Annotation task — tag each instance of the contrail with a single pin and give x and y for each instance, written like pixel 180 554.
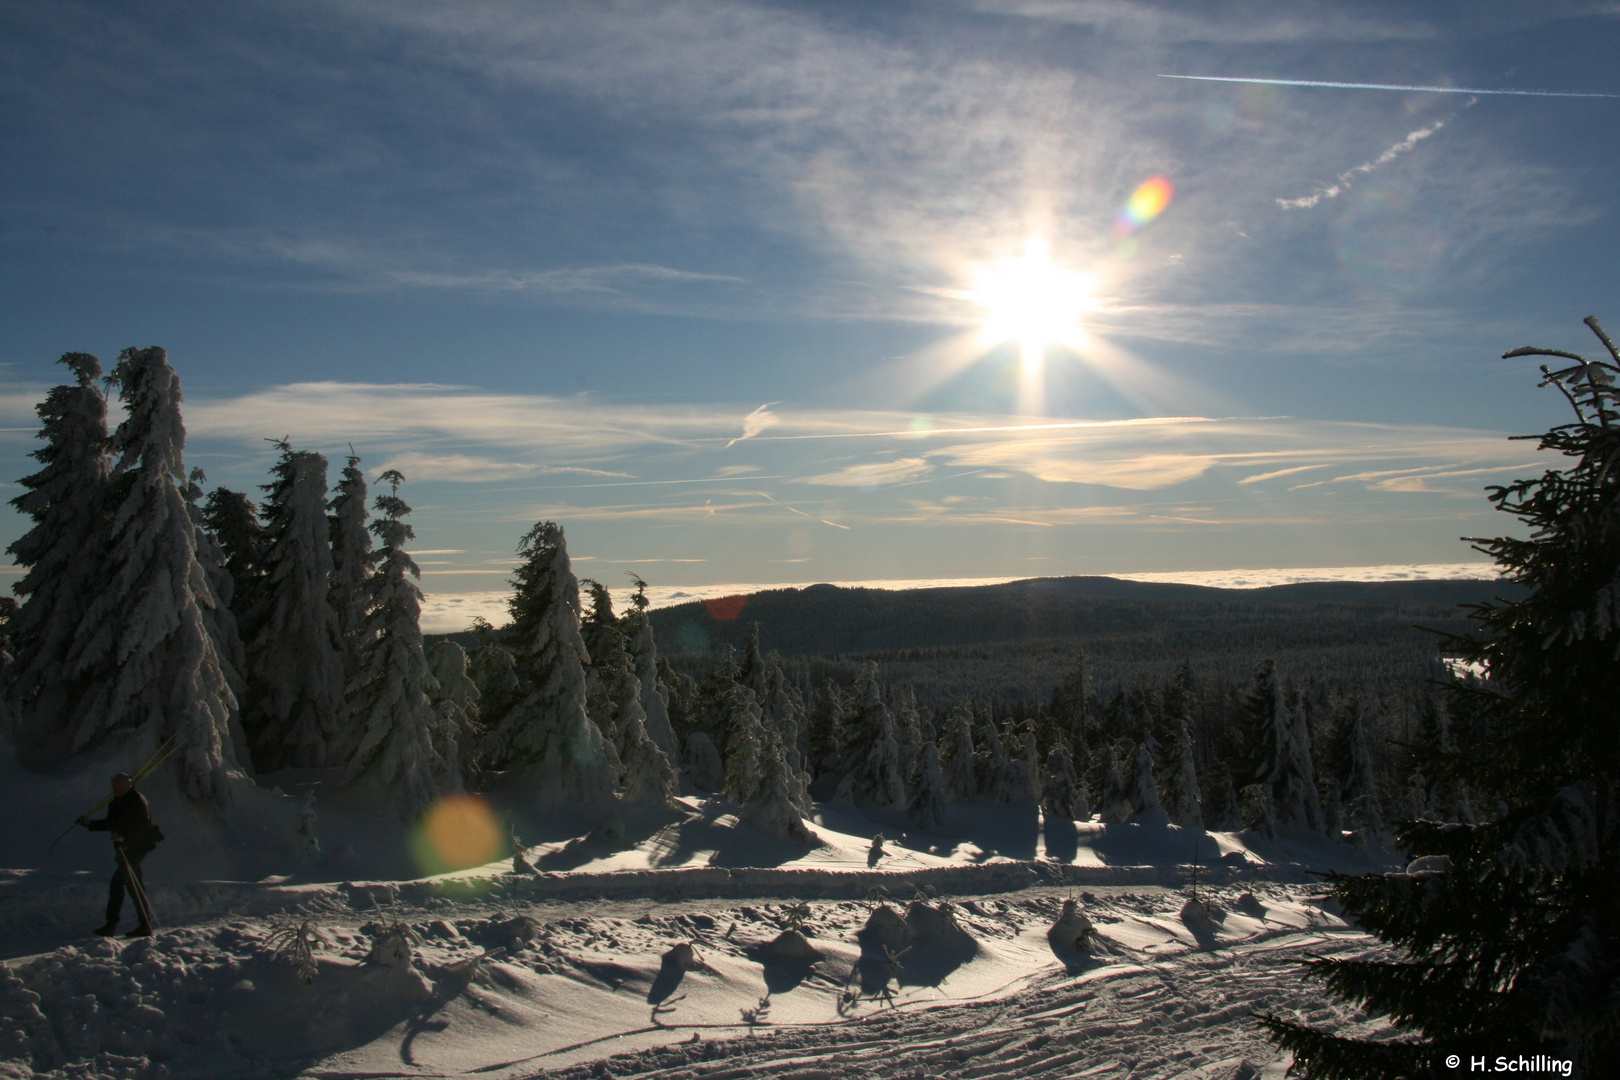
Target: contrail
pixel 1388 86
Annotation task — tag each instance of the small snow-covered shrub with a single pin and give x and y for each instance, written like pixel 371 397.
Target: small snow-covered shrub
pixel 296 944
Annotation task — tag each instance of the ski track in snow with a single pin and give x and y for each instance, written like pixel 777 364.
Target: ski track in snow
pixel 569 994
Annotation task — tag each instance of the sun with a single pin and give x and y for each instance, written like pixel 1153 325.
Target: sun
pixel 1033 301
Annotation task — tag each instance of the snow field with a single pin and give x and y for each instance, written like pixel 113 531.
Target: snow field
pixel 516 990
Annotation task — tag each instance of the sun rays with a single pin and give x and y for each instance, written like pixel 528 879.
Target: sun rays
pixel 1032 301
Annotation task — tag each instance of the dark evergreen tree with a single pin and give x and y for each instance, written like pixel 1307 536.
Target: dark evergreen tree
pixel 233 519
pixel 1508 928
pixel 64 555
pixel 295 713
pixel 351 564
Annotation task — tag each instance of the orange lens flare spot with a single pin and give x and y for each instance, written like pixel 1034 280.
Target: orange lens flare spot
pixel 457 833
pixel 725 608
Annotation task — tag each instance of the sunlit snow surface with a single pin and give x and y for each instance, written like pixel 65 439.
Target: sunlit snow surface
pixel 519 975
pixel 447 612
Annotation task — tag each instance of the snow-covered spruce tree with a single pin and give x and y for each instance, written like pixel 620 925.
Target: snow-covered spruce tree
pixel 751 668
pixel 1024 768
pixel 455 699
pixel 745 744
pixel 546 735
pixel 1510 941
pixel 615 700
pixel 1181 801
pixel 63 555
pixel 221 619
pixel 605 689
pixel 1114 800
pixel 771 807
pixel 908 733
pixel 351 563
pixel 1277 753
pixel 1299 798
pixel 144 644
pixel 1062 797
pixel 404 748
pixel 295 712
pixel 1364 808
pixel 644 661
pixel 992 761
pixel 825 718
pixel 928 801
pixel 494 669
pixel 875 767
pixel 233 520
pixel 1144 789
pixel 961 776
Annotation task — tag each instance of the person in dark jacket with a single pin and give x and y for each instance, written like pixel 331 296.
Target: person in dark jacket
pixel 129 820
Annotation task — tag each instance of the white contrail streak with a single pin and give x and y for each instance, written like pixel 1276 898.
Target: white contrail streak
pixel 1388 86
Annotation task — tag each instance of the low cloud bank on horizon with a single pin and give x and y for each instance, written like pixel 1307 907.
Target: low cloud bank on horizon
pixel 447 613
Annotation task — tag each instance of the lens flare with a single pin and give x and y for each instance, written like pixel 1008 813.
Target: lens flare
pixel 1147 202
pixel 1032 301
pixel 457 833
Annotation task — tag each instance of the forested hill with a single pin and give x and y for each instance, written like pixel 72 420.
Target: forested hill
pixel 825 619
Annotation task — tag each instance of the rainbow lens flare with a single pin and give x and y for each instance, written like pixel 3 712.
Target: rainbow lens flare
pixel 1146 203
pixel 458 832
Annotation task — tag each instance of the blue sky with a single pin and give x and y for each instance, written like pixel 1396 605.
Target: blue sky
pixel 706 282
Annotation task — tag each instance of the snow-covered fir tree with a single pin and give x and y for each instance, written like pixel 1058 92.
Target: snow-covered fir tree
pixel 771 806
pixel 63 555
pixel 994 780
pixel 703 764
pixel 649 778
pixel 1024 767
pixel 875 764
pixel 145 638
pixel 961 773
pixel 351 563
pixel 1361 789
pixel 1278 753
pixel 644 661
pixel 1145 803
pixel 1181 797
pixel 494 669
pixel 220 618
pixel 616 699
pixel 295 714
pixel 751 665
pixel 606 690
pixel 455 698
pixel 928 800
pixel 1114 798
pixel 1062 795
pixel 405 749
pixel 1299 799
pixel 826 735
pixel 546 735
pixel 745 743
pixel 908 733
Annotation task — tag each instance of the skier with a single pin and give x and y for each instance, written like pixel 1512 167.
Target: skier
pixel 129 820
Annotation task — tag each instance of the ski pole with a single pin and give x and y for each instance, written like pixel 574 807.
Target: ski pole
pixel 142 771
pixel 137 891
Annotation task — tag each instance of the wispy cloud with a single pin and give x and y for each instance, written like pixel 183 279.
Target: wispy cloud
pixel 754 423
pixel 872 474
